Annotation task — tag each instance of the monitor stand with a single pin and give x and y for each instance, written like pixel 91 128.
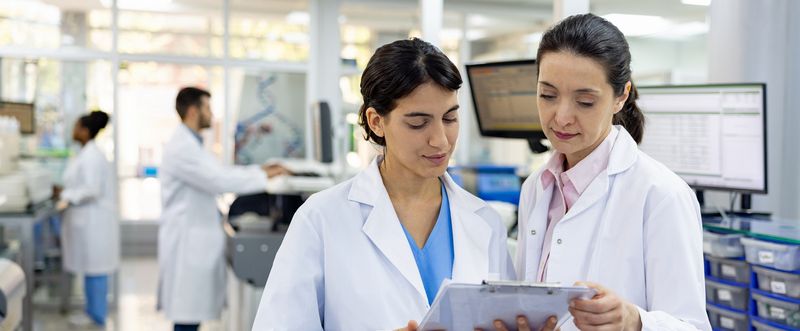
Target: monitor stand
pixel 746 206
pixel 535 143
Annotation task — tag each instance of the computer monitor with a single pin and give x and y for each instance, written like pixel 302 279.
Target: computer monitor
pixel 712 136
pixel 504 98
pixel 23 112
pixel 322 124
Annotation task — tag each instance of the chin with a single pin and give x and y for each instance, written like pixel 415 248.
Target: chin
pixel 432 172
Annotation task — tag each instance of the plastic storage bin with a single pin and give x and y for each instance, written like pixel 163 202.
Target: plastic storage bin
pixel 778 282
pixel 727 295
pixel 732 270
pixel 783 312
pixel 764 327
pixel 723 319
pixel 774 255
pixel 722 245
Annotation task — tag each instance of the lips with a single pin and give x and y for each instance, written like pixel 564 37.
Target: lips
pixel 436 159
pixel 564 135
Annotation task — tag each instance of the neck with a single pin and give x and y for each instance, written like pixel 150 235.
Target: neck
pixel 83 142
pixel 402 184
pixel 192 125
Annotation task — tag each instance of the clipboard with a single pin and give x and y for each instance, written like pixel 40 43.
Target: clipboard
pixel 470 306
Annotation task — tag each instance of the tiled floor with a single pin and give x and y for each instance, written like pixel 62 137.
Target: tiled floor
pixel 137 304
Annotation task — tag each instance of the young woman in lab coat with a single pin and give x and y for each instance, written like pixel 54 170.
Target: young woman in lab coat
pixel 602 212
pixel 90 231
pixel 370 253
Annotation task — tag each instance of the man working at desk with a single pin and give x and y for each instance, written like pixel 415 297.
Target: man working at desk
pixel 191 241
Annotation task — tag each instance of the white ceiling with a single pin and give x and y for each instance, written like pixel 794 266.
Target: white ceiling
pixel 496 16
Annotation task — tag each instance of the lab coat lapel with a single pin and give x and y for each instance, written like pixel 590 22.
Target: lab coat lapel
pixel 535 225
pixel 623 155
pixel 383 227
pixel 471 235
pixel 594 193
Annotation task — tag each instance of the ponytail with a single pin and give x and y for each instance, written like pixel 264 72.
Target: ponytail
pixel 631 117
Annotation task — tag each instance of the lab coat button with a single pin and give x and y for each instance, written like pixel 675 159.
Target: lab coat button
pixel 558 241
pixel 533 232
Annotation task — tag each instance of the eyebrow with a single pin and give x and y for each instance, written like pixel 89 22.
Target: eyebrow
pixel 581 90
pixel 421 114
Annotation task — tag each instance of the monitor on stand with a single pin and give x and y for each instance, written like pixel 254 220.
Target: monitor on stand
pixel 504 98
pixel 322 123
pixel 712 136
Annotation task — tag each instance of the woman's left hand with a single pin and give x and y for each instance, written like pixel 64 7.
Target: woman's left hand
pixel 606 311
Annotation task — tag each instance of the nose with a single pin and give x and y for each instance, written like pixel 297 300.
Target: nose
pixel 438 137
pixel 564 114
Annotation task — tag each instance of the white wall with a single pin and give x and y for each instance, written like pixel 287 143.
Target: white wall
pixel 752 40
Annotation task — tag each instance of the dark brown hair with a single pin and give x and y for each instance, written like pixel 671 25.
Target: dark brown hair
pixel 395 70
pixel 187 97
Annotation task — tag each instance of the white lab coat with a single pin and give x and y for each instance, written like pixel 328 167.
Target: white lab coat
pixel 345 263
pixel 90 231
pixel 636 230
pixel 191 242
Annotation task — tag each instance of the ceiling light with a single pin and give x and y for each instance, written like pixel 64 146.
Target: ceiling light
pixel 696 2
pixel 298 17
pixel 638 25
pixel 138 4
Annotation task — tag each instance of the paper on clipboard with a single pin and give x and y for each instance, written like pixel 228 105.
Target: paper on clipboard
pixel 470 306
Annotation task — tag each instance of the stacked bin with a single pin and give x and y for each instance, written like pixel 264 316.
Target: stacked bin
pixel 775 280
pixel 727 282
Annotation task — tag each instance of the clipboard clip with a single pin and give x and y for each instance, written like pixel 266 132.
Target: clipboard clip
pixel 494 284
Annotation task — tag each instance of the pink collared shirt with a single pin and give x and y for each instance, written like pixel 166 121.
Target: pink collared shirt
pixel 570 185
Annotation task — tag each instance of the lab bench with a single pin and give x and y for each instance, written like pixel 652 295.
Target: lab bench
pixel 22 224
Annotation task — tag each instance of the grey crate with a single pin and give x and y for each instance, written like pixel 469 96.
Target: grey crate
pixel 783 312
pixel 778 282
pixel 722 245
pixel 763 327
pixel 722 319
pixel 773 255
pixel 727 269
pixel 727 295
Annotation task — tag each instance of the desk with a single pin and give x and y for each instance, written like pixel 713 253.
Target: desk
pixel 780 230
pixel 298 185
pixel 25 223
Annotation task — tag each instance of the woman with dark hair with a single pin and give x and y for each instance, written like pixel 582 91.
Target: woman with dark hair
pixel 90 234
pixel 371 253
pixel 601 212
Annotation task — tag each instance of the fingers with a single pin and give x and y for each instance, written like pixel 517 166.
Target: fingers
pixel 500 326
pixel 522 323
pixel 597 305
pixel 412 326
pixel 550 324
pixel 587 319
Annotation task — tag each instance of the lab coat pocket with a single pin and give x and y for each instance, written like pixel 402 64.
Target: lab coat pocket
pixel 204 247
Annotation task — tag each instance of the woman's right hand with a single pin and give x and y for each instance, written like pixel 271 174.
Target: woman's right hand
pixel 522 325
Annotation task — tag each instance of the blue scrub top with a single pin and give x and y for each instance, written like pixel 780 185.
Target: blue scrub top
pixel 435 259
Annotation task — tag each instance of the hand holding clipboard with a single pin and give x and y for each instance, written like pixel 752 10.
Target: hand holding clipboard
pixel 471 306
